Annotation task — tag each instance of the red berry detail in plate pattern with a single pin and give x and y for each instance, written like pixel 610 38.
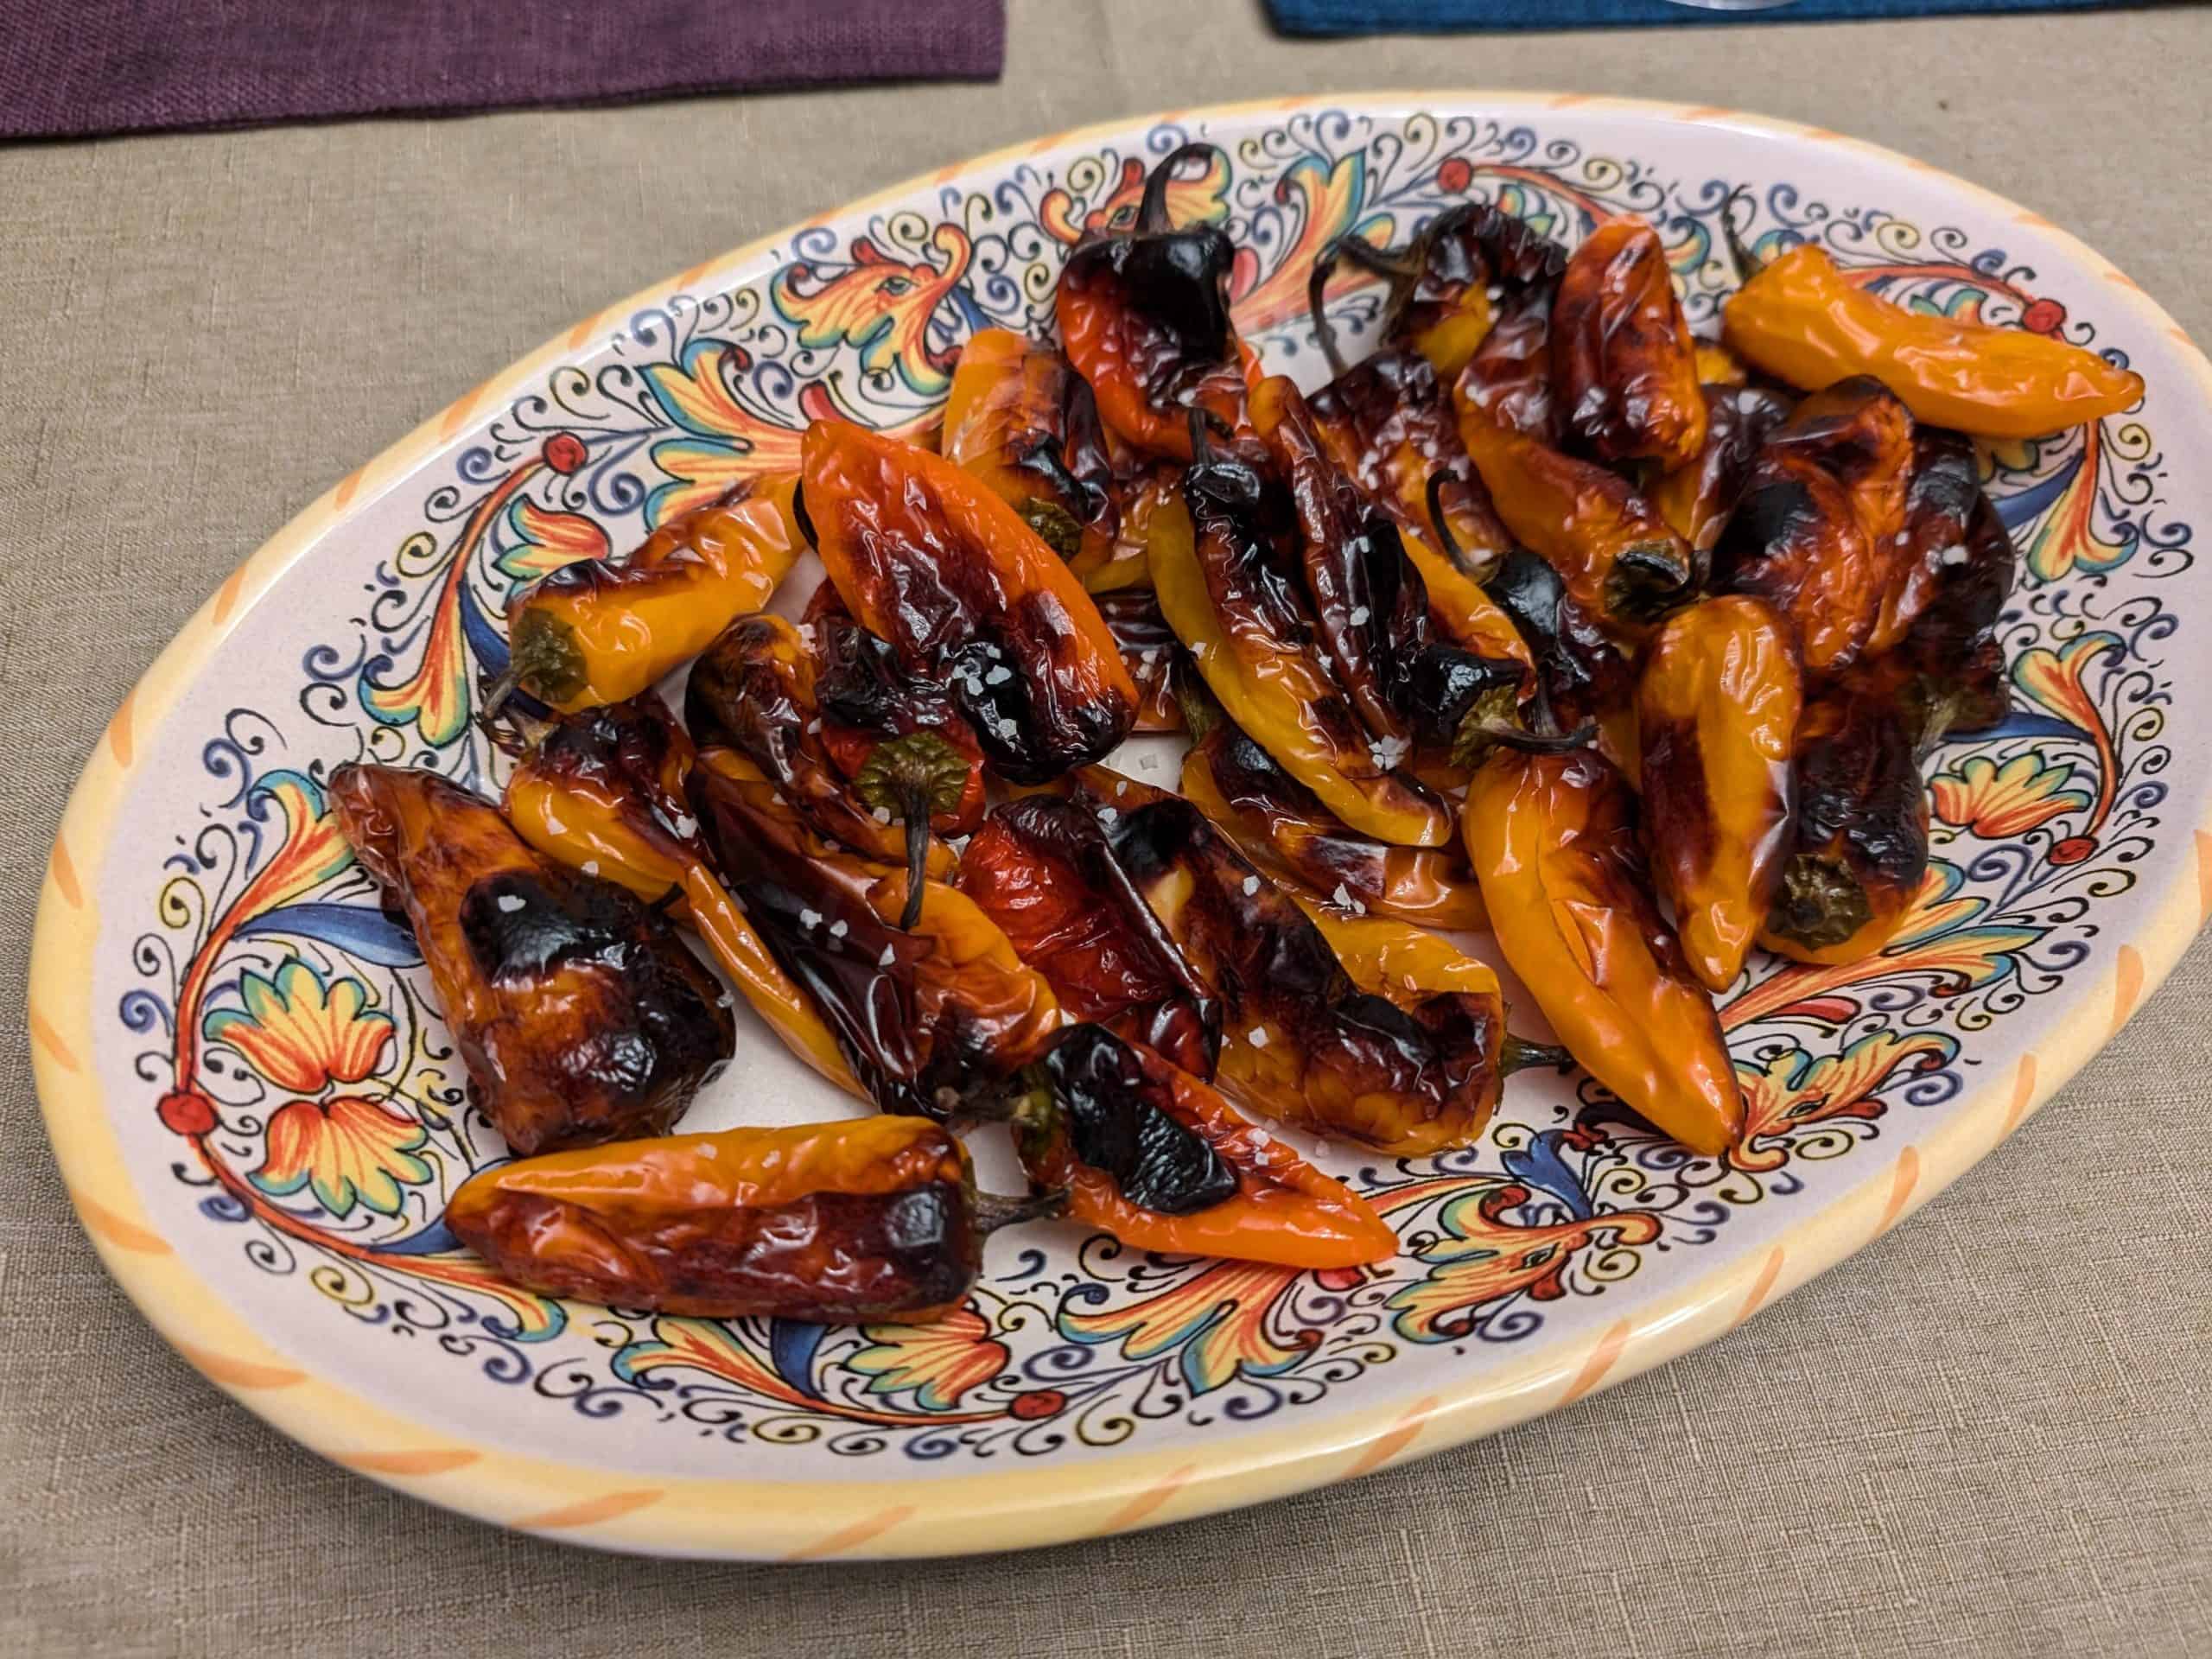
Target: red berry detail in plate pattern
pixel 185 1112
pixel 1455 176
pixel 2042 316
pixel 565 453
pixel 1038 1402
pixel 2072 850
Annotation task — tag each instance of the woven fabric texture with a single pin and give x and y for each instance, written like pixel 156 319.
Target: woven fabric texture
pixel 123 66
pixel 1989 1434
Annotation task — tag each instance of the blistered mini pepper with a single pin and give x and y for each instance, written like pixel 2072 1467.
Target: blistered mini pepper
pixel 1043 870
pixel 1279 823
pixel 1094 1104
pixel 923 1015
pixel 1020 421
pixel 929 559
pixel 1239 615
pixel 1144 316
pixel 603 793
pixel 579 1014
pixel 1301 1042
pixel 1620 559
pixel 1447 286
pixel 596 632
pixel 1802 320
pixel 1622 363
pixel 1717 708
pixel 1553 840
pixel 1861 845
pixel 874 1219
pixel 1816 531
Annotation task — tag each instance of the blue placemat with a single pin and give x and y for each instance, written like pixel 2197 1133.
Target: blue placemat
pixel 1438 17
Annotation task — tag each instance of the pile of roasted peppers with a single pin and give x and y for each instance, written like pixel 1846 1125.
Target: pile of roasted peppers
pixel 1548 618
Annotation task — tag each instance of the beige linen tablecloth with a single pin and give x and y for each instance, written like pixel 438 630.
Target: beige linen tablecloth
pixel 1989 1433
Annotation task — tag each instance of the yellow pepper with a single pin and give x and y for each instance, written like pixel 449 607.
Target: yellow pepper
pixel 600 793
pixel 1553 842
pixel 1802 320
pixel 595 632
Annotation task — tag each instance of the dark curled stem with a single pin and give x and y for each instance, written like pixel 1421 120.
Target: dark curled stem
pixel 1748 265
pixel 1447 543
pixel 1367 256
pixel 993 1211
pixel 1515 1054
pixel 804 518
pixel 1152 210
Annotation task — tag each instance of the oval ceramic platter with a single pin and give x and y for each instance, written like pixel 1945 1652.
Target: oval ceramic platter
pixel 258 1112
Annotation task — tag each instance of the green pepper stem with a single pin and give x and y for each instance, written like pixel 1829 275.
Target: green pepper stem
pixel 497 693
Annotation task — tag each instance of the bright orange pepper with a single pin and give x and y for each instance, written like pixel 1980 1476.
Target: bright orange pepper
pixel 1802 320
pixel 594 632
pixel 1552 839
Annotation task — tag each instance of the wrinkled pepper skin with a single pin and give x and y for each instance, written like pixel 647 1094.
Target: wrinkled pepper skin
pixel 1279 824
pixel 929 559
pixel 1150 650
pixel 603 792
pixel 1449 312
pixel 1939 498
pixel 1274 1206
pixel 1697 499
pixel 1553 840
pixel 872 1219
pixel 753 690
pixel 579 1014
pixel 1042 869
pixel 1389 423
pixel 1144 317
pixel 594 631
pixel 1815 533
pixel 1802 321
pixel 1508 382
pixel 1718 707
pixel 1021 422
pixel 1623 563
pixel 1238 614
pixel 866 697
pixel 1368 603
pixel 1949 673
pixel 923 1015
pixel 1861 846
pixel 1582 675
pixel 1623 367
pixel 1301 1043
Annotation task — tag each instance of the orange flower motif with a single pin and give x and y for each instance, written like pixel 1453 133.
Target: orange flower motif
pixel 349 1150
pixel 939 1361
pixel 1215 1324
pixel 298 1033
pixel 1995 802
pixel 880 306
pixel 544 540
pixel 1192 199
pixel 1793 1090
pixel 1483 1257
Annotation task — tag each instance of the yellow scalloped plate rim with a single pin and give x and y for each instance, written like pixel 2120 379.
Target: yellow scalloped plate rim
pixel 813 1519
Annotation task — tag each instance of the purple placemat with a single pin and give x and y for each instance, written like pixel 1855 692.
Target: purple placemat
pixel 72 68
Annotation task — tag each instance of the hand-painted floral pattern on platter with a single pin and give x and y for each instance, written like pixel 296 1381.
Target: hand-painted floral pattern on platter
pixel 322 1112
